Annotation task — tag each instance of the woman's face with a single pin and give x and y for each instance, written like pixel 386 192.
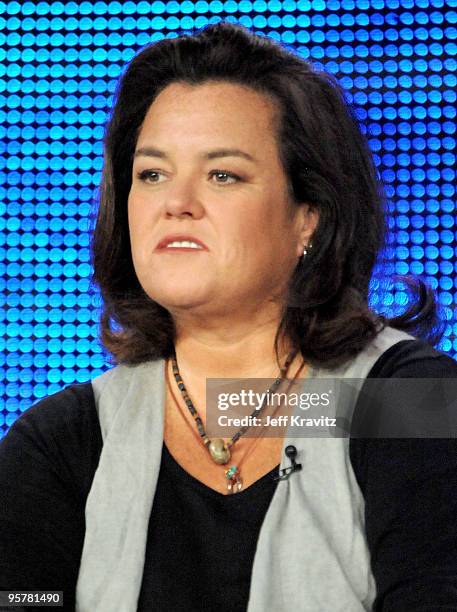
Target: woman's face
pixel 207 169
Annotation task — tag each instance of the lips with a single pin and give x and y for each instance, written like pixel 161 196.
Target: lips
pixel 164 242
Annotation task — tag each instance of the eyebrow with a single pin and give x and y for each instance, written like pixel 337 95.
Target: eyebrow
pixel 215 153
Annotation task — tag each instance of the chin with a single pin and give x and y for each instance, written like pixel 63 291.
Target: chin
pixel 180 299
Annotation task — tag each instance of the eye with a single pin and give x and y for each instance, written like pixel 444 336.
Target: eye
pixel 149 176
pixel 227 178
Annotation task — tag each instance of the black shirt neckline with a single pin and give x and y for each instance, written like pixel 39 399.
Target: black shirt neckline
pixel 184 477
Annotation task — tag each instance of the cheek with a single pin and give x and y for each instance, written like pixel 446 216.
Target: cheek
pixel 274 243
pixel 237 239
pixel 141 222
pixel 251 233
pixel 249 248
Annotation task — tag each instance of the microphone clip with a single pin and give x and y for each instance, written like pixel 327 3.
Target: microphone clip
pixel 285 473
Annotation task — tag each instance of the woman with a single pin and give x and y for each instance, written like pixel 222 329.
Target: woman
pixel 239 223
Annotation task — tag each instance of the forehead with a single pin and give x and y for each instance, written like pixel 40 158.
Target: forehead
pixel 212 108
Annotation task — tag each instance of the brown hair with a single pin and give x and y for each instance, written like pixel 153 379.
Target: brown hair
pixel 328 164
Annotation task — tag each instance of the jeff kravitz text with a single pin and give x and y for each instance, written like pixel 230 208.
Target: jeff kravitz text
pixel 279 421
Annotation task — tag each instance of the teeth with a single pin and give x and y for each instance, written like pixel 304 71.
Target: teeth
pixel 184 243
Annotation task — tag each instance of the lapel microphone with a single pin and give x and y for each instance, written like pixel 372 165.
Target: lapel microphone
pixel 291 453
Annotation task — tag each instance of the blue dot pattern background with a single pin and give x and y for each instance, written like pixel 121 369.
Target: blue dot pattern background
pixel 59 63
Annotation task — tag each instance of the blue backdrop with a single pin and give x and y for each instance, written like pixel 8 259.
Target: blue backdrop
pixel 59 62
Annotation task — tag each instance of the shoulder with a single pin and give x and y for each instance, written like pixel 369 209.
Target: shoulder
pixel 61 431
pixel 413 358
pixel 75 402
pixel 390 410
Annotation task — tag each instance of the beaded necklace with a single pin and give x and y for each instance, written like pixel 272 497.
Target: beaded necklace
pixel 218 449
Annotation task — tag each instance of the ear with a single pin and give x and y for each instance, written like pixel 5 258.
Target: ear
pixel 308 218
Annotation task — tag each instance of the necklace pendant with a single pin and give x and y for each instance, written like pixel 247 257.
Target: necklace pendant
pixel 235 482
pixel 234 486
pixel 219 451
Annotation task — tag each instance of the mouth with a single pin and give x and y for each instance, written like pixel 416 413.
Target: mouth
pixel 181 243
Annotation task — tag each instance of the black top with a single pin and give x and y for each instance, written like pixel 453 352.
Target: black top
pixel 201 543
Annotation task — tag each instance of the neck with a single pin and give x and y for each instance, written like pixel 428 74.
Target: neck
pixel 230 350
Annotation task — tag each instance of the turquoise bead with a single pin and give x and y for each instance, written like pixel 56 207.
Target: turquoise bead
pixel 232 471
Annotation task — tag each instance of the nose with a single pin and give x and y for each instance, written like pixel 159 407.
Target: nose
pixel 181 199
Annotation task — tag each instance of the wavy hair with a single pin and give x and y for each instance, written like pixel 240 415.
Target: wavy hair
pixel 328 164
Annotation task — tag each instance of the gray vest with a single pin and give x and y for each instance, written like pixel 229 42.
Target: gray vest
pixel 311 553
